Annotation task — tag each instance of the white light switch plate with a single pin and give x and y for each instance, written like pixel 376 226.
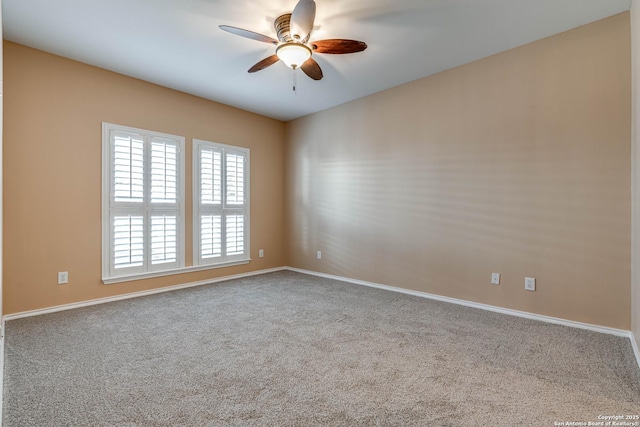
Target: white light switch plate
pixel 63 277
pixel 495 278
pixel 530 283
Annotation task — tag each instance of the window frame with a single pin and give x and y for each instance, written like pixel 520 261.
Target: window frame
pixel 198 208
pixel 110 207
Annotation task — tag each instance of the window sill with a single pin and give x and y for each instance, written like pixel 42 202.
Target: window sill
pixel 181 270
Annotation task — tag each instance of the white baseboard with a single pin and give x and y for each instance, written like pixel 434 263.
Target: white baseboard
pixel 524 314
pixel 71 306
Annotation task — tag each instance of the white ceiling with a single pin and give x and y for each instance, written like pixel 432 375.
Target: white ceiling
pixel 177 43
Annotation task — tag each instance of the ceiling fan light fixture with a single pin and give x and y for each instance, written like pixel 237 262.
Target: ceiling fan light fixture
pixel 293 31
pixel 293 54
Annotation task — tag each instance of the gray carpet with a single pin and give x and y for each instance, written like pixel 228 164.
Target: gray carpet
pixel 288 349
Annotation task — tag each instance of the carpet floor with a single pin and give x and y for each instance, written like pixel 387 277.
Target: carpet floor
pixel 287 349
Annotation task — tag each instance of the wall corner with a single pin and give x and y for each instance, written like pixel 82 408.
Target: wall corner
pixel 635 174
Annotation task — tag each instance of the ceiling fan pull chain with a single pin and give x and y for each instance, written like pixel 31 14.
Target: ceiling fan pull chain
pixel 295 82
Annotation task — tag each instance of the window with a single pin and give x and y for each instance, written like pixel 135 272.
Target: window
pixel 221 203
pixel 143 201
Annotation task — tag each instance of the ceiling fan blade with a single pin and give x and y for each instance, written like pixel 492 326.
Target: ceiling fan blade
pixel 338 46
pixel 248 34
pixel 302 19
pixel 312 69
pixel 264 63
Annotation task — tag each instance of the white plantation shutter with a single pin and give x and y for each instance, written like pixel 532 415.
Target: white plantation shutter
pixel 128 167
pixel 235 178
pixel 164 171
pixel 143 203
pixel 221 208
pixel 235 234
pixel 211 176
pixel 128 241
pixel 210 236
pixel 164 239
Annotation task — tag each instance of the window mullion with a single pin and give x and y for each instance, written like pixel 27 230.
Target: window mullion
pixel 197 203
pixel 223 174
pixel 223 201
pixel 147 202
pixel 164 149
pixel 112 167
pixel 131 168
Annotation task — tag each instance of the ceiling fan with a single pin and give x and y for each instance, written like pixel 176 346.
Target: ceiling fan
pixel 293 46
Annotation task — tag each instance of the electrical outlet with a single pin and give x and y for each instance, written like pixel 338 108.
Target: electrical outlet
pixel 319 254
pixel 261 253
pixel 63 277
pixel 495 278
pixel 530 283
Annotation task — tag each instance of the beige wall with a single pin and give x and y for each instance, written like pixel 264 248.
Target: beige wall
pixel 52 173
pixel 518 163
pixel 635 261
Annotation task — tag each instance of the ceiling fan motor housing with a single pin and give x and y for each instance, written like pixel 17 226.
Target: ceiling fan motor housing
pixel 282 25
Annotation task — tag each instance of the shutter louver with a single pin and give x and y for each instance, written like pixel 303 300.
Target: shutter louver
pixel 128 168
pixel 164 243
pixel 235 179
pixel 128 241
pixel 210 236
pixel 234 228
